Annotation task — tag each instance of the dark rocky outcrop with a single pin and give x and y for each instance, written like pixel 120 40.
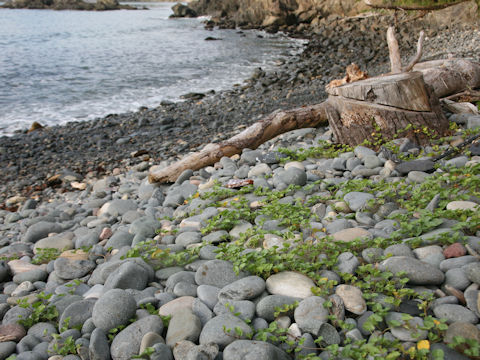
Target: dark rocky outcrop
pixel 180 10
pixel 65 5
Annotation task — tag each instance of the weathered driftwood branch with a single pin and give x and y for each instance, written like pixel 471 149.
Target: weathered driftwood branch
pixel 393 51
pixel 412 7
pixel 274 124
pixel 418 55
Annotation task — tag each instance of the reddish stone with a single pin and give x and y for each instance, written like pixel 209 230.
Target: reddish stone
pixel 454 250
pixel 106 234
pixel 12 332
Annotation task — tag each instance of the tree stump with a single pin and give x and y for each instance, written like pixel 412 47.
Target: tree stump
pixel 385 106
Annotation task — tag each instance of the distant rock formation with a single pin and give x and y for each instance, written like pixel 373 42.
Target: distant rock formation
pixel 180 10
pixel 66 5
pixel 301 15
pixel 273 14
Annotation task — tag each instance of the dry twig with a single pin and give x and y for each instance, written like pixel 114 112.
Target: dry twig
pixel 465 96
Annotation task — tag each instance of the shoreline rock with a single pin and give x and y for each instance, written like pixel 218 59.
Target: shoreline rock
pixel 99 5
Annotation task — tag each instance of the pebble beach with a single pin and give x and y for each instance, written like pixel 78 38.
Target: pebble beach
pixel 337 253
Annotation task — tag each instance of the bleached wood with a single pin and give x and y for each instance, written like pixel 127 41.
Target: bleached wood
pixel 393 51
pixel 450 76
pixel 418 55
pixel 274 124
pixel 460 107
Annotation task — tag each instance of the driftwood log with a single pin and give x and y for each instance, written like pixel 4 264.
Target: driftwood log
pixel 269 127
pixel 450 76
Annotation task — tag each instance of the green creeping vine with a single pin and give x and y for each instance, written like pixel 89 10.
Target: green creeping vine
pixel 41 311
pixel 309 251
pixel 312 256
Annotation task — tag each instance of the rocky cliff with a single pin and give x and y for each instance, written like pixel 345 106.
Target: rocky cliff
pixel 274 14
pixel 301 15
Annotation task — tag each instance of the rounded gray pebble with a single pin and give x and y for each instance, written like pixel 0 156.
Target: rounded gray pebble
pixel 114 308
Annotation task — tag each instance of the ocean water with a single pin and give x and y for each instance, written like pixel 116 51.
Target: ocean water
pixel 61 66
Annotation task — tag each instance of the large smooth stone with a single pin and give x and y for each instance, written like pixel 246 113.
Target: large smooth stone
pixel 466 330
pixel 462 205
pixel 41 230
pixel 244 289
pixel 217 273
pixel 178 305
pixel 183 326
pixel 253 350
pixel 117 207
pixel 357 200
pixel 407 330
pixel 7 348
pixel 129 275
pixel 418 272
pixel 290 283
pixel 144 226
pixel 351 234
pixel 99 348
pixel 20 266
pixel 127 342
pixel 455 313
pixel 221 330
pixel 352 298
pixel 72 269
pixel 415 165
pixel 266 307
pixel 115 307
pixel 310 314
pixel 60 242
pixel 78 313
pixel 244 309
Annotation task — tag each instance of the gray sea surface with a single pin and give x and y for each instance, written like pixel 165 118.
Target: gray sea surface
pixel 61 66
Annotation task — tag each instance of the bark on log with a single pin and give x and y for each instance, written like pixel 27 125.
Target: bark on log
pixel 274 124
pixel 383 106
pixel 450 76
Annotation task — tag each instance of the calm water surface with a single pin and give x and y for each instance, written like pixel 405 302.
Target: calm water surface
pixel 60 66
